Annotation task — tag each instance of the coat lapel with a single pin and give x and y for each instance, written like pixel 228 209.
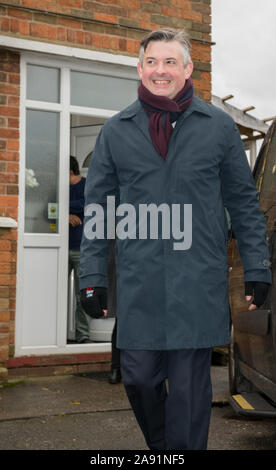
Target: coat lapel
pixel 136 112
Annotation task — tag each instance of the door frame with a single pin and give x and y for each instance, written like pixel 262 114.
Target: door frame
pixel 66 110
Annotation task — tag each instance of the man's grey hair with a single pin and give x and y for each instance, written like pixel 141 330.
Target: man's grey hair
pixel 167 35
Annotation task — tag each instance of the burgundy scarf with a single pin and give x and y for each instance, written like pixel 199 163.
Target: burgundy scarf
pixel 162 112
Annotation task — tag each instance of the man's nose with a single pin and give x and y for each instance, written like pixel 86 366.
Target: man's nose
pixel 160 67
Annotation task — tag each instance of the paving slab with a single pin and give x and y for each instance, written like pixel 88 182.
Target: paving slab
pixel 84 412
pixel 80 393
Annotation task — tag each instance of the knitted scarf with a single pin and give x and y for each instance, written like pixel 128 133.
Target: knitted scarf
pixel 162 111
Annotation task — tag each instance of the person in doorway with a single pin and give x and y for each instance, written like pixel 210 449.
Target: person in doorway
pixel 170 150
pixel 76 214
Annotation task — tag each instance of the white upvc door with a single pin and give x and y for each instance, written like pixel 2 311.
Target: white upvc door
pixel 49 97
pixel 43 215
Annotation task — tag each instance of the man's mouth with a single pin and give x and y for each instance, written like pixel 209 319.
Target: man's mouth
pixel 161 82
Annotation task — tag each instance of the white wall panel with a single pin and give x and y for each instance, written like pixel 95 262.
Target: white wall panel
pixel 39 309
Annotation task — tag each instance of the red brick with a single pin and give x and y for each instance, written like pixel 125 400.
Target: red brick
pixel 52 32
pixel 122 44
pixel 97 40
pixel 12 189
pixel 38 4
pixel 4 317
pixel 68 23
pixel 12 144
pixel 14 26
pixel 130 45
pixel 133 4
pixel 13 100
pixel 4 24
pixel 71 3
pixel 39 30
pixel 4 352
pixel 16 13
pixel 9 89
pixel 12 167
pixel 80 37
pixel 201 52
pixel 14 78
pixel 5 268
pixel 9 67
pixel 88 39
pixel 7 279
pixel 4 292
pixel 13 57
pixel 202 8
pixel 71 35
pixel 3 77
pixel 114 43
pixel 9 133
pixel 13 122
pixel 8 201
pixel 9 212
pixel 12 302
pixel 61 34
pixel 106 17
pixel 4 258
pixel 8 178
pixel 9 111
pixel 24 27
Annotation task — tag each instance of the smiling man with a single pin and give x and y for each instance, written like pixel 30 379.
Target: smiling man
pixel 164 70
pixel 170 147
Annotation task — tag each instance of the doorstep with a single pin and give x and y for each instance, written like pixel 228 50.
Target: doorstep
pixel 60 364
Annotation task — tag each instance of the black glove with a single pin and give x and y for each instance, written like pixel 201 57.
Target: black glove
pixel 94 300
pixel 258 290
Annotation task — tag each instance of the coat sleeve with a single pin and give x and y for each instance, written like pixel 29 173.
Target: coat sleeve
pixel 240 197
pixel 101 182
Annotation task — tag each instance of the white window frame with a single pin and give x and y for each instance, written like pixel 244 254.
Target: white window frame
pixel 96 62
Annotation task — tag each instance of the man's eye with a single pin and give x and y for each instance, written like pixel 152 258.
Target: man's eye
pixel 172 62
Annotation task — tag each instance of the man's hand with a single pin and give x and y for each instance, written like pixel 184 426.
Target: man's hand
pixel 74 220
pixel 94 301
pixel 256 291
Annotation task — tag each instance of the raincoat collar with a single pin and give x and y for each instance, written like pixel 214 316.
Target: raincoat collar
pixel 197 105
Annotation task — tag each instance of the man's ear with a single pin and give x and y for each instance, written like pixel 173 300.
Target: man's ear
pixel 139 68
pixel 188 70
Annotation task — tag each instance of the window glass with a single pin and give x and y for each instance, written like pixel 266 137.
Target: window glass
pixel 41 173
pixel 101 91
pixel 43 83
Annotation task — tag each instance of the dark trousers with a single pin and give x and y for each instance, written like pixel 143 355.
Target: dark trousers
pixel 176 418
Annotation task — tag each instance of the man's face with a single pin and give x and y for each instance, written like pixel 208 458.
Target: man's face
pixel 163 72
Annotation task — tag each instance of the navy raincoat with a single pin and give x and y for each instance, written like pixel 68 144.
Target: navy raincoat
pixel 167 298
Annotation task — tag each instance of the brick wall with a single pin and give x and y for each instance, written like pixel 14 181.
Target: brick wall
pixel 114 26
pixel 9 166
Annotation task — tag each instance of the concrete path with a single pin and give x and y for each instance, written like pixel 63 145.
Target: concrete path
pixel 76 412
